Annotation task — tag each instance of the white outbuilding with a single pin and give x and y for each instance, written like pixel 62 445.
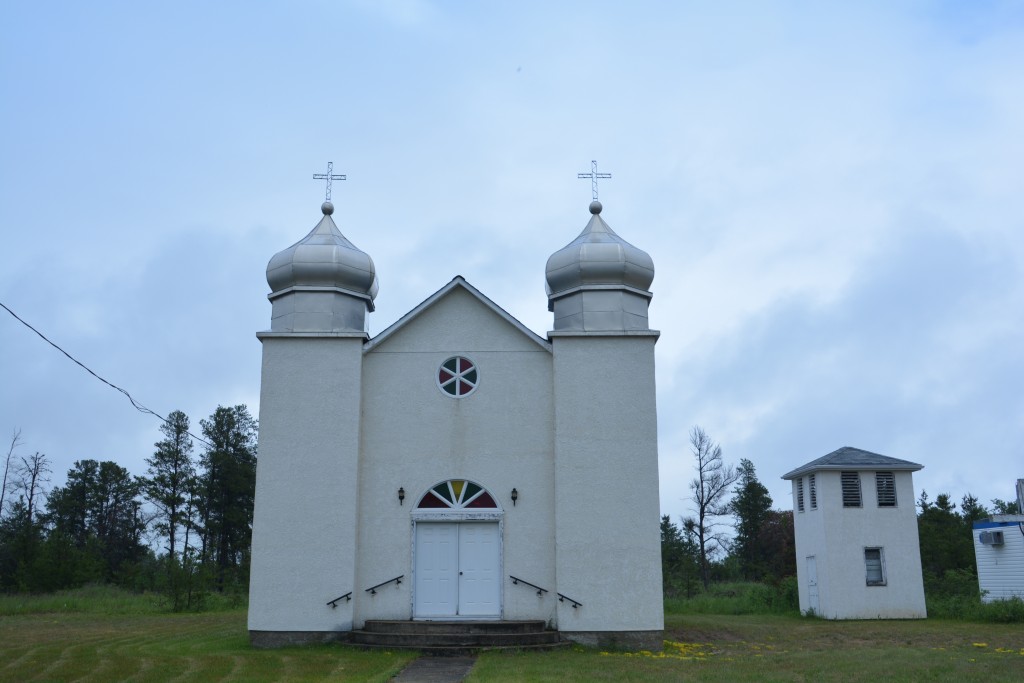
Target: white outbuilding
pixel 999 553
pixel 457 466
pixel 857 548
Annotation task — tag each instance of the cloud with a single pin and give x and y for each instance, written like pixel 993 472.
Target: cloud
pixel 402 14
pixel 910 361
pixel 830 194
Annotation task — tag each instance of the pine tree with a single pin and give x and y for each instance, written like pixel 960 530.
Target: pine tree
pixel 1003 507
pixel 21 538
pixel 98 512
pixel 972 511
pixel 679 559
pixel 170 476
pixel 779 538
pixel 947 545
pixel 227 487
pixel 751 506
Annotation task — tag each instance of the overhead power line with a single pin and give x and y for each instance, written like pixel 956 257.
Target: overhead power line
pixel 138 406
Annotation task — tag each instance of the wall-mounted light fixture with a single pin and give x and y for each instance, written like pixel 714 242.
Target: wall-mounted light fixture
pixel 401 495
pixel 515 497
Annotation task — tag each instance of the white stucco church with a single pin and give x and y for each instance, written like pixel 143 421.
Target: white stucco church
pixel 457 466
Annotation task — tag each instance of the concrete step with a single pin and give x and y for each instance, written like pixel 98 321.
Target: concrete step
pixel 453 639
pixel 453 651
pixel 389 626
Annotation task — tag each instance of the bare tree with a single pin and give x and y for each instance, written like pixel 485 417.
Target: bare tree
pixel 15 442
pixel 709 488
pixel 32 473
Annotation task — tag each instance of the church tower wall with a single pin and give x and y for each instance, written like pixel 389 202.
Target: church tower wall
pixel 607 531
pixel 304 528
pixel 607 535
pixel 304 534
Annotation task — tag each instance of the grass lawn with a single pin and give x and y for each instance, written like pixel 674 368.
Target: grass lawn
pixel 212 646
pixel 59 642
pixel 779 648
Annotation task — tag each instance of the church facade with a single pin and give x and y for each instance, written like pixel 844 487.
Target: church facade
pixel 457 466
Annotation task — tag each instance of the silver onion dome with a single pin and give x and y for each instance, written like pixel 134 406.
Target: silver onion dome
pixel 324 259
pixel 598 257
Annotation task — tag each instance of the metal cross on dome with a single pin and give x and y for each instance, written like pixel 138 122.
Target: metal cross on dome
pixel 329 176
pixel 593 175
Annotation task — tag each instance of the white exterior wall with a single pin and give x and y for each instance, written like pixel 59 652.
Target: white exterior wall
pixel 415 436
pixel 344 426
pixel 838 536
pixel 1000 568
pixel 607 529
pixel 303 541
pixel 811 541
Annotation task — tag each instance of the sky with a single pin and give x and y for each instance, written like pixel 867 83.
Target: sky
pixel 831 192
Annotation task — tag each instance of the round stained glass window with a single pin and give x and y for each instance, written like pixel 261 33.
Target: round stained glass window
pixel 457 376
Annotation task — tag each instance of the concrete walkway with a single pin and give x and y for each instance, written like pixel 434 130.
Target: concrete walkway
pixel 436 670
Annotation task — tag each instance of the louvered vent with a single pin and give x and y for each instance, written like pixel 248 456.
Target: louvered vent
pixel 813 492
pixel 800 494
pixel 886 484
pixel 851 489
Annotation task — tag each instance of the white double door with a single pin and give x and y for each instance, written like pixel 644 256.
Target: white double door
pixel 458 572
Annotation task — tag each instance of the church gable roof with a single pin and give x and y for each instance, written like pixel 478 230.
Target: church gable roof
pixel 847 458
pixel 458 283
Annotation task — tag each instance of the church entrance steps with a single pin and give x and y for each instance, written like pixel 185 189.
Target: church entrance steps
pixel 455 637
pixel 460 626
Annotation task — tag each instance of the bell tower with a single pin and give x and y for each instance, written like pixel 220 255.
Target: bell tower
pixel 607 534
pixel 322 290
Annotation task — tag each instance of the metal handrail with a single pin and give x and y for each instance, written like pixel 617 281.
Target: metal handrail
pixel 372 590
pixel 516 581
pixel 347 597
pixel 563 598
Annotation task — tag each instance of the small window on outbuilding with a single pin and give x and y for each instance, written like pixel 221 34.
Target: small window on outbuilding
pixel 812 491
pixel 885 482
pixel 875 566
pixel 800 494
pixel 851 489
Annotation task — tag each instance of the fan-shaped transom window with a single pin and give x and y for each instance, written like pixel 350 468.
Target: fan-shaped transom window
pixel 457 494
pixel 457 376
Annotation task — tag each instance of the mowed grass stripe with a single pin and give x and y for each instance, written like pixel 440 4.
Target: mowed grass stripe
pixel 778 648
pixel 86 648
pixel 90 648
pixel 96 647
pixel 112 664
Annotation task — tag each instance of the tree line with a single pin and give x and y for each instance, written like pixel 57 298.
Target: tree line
pixel 182 528
pixel 700 549
pixel 947 542
pixel 761 548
